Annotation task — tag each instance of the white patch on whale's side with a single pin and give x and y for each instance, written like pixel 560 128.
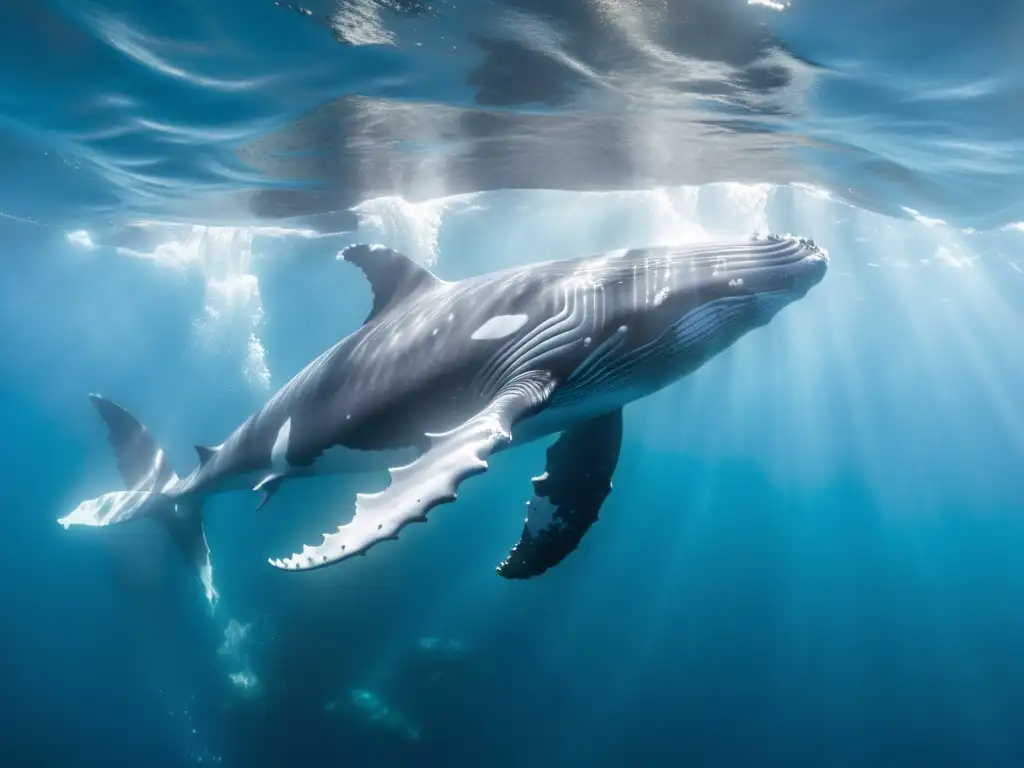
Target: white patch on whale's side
pixel 499 327
pixel 279 452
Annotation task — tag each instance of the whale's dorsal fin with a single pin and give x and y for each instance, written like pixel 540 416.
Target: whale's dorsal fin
pixel 393 276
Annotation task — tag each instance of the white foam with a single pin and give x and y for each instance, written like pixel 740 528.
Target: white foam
pixel 946 256
pixel 80 237
pixel 358 22
pixel 234 634
pixel 245 680
pixel 257 371
pixel 410 228
pixel 233 311
pixel 922 219
pixel 749 204
pixel 19 219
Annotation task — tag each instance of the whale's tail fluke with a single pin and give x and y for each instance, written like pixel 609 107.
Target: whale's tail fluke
pixel 147 473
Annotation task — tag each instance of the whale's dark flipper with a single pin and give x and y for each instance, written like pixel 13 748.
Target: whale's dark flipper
pixel 148 474
pixel 430 480
pixel 568 496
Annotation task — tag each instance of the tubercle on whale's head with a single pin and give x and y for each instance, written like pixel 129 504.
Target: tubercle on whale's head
pixel 783 263
pixel 751 280
pixel 775 271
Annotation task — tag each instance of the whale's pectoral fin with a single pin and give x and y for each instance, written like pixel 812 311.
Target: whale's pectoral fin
pixel 567 497
pixel 268 486
pixel 430 480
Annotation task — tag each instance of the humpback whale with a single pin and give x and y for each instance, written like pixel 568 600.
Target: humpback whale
pixel 444 375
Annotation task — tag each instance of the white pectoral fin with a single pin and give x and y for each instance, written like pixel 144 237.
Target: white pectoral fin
pixel 430 480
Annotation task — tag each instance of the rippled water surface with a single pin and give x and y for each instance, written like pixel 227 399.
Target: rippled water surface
pixel 232 112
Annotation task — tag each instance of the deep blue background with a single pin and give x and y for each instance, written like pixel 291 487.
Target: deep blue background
pixel 811 556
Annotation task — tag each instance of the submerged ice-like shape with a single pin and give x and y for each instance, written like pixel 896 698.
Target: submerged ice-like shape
pixel 234 634
pixel 241 677
pixel 442 645
pixel 244 681
pixel 366 707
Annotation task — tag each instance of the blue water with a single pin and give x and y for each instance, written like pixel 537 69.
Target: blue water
pixel 812 552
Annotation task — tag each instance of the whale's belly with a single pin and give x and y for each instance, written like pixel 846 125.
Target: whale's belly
pixel 565 414
pixel 340 460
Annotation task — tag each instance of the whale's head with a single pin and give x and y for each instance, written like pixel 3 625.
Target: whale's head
pixel 762 275
pixel 756 277
pixel 691 302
